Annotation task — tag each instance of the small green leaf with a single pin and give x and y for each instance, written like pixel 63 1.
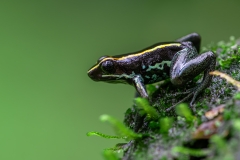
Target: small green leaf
pixel 237 96
pixel 184 111
pixel 104 135
pixel 232 38
pixel 225 63
pixel 149 110
pixel 165 124
pixel 153 124
pixel 151 89
pixel 110 155
pixel 219 141
pixel 236 124
pixel 121 129
pixel 190 151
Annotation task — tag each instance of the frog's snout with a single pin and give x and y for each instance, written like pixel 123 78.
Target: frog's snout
pixel 92 75
pixel 95 74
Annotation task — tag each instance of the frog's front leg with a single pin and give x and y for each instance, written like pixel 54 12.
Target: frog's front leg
pixel 139 85
pixel 187 64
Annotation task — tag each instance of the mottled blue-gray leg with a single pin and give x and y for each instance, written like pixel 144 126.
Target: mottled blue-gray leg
pixel 139 85
pixel 209 66
pixel 187 64
pixel 194 38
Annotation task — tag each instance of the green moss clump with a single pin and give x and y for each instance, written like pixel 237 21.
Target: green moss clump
pixel 192 134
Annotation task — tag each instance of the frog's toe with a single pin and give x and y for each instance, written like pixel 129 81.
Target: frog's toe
pixel 192 101
pixel 195 94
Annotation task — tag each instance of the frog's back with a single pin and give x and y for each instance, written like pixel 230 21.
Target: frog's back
pixel 152 63
pixel 162 49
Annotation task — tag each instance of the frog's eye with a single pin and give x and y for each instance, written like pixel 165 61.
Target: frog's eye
pixel 108 66
pixel 101 58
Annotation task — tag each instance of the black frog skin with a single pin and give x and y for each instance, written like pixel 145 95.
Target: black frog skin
pixel 178 60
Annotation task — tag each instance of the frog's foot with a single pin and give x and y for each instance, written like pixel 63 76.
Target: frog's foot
pixel 194 92
pixel 183 100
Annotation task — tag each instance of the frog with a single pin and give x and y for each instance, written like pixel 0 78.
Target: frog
pixel 178 60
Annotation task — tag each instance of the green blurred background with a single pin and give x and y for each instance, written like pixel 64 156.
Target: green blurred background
pixel 47 102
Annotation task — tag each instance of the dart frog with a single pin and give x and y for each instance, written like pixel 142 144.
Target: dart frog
pixel 178 60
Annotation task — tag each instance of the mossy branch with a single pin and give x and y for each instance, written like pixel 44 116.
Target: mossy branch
pixel 211 131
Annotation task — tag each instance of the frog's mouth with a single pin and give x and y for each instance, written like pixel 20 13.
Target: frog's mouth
pixel 116 81
pixel 117 77
pixel 106 78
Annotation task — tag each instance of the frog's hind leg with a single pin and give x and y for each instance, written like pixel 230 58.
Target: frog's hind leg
pixel 192 37
pixel 208 66
pixel 187 64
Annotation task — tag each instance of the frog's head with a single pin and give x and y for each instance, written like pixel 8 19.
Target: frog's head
pixel 107 70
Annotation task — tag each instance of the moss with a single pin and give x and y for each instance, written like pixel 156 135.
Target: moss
pixel 208 130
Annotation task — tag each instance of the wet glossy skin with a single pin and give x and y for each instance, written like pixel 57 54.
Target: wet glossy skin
pixel 177 60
